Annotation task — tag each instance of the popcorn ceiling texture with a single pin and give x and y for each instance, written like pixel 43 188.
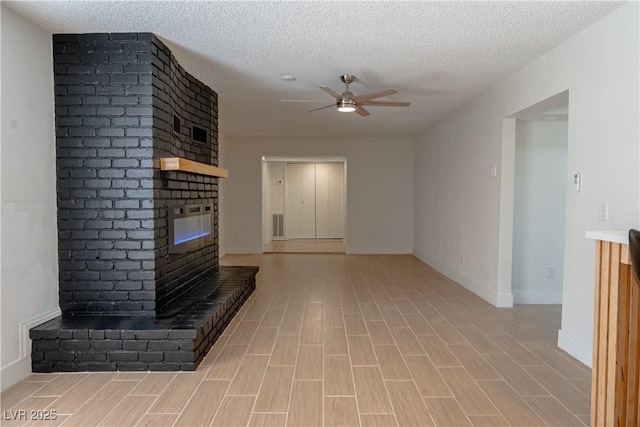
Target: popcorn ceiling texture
pixel 438 55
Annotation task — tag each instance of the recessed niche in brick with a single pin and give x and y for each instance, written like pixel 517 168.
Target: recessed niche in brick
pixel 176 124
pixel 199 135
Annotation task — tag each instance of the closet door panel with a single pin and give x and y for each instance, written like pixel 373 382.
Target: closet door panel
pixel 308 201
pixel 293 209
pixel 336 201
pixel 323 199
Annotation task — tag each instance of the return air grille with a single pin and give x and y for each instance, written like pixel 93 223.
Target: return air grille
pixel 278 225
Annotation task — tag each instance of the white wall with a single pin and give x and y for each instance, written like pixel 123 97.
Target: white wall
pixel 539 211
pixel 457 203
pixel 379 189
pixel 277 187
pixel 29 273
pixel 275 194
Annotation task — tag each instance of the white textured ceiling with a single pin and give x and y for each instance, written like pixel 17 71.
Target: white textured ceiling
pixel 437 55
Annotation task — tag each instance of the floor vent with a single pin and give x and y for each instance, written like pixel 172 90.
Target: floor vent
pixel 278 225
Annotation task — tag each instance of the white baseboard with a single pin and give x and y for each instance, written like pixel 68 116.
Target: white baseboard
pixel 537 297
pixel 494 298
pixel 578 349
pixel 15 372
pixel 21 368
pixel 365 250
pixel 25 341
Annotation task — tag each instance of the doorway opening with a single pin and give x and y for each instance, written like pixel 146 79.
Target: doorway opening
pixel 535 182
pixel 304 204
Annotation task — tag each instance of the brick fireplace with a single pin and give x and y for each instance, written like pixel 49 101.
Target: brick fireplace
pixel 129 302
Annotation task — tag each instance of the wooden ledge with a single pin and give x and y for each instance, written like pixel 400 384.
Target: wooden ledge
pixel 184 165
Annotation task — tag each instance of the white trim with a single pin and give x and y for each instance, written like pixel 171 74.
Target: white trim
pixel 576 348
pixel 365 250
pixel 537 297
pixel 21 368
pixel 305 159
pixel 15 372
pixel 25 341
pixel 496 299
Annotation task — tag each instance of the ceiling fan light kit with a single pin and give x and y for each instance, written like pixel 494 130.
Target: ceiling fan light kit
pixel 346 105
pixel 347 102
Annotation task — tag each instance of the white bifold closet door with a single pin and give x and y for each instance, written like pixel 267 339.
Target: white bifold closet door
pixel 314 198
pixel 329 200
pixel 300 201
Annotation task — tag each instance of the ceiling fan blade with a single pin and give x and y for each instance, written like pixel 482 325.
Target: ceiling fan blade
pixel 360 110
pixel 336 95
pixel 321 108
pixel 386 103
pixel 372 95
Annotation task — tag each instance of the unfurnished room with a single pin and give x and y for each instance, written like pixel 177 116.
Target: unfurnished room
pixel 320 213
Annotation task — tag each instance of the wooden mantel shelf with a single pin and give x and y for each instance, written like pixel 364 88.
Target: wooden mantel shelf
pixel 184 165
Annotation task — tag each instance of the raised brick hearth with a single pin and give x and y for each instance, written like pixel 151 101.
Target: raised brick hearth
pixel 122 103
pixel 176 340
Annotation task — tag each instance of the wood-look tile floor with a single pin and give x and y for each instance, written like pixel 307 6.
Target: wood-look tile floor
pixel 341 340
pixel 306 246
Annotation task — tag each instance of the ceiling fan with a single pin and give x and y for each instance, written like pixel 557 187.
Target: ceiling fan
pixel 347 102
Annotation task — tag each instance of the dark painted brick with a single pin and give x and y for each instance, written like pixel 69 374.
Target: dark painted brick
pixel 96 334
pixel 166 366
pixel 124 78
pixel 59 356
pixel 178 356
pixel 100 265
pixel 93 356
pixel 95 100
pixel 113 234
pixel 125 142
pixel 129 306
pixel 81 334
pixel 39 344
pixel 75 344
pixel 151 356
pixel 129 285
pixel 97 163
pixel 135 345
pixel 182 334
pixel 107 344
pixel 111 132
pixel 117 194
pixel 108 111
pixel 163 345
pixel 152 335
pixel 125 163
pixel 109 90
pixel 101 367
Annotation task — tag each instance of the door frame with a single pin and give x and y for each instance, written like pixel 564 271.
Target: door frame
pixel 302 159
pixel 507 197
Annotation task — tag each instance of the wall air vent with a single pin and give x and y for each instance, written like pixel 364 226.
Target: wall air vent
pixel 278 225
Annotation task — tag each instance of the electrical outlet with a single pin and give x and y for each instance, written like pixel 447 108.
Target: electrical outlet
pixel 550 271
pixel 603 211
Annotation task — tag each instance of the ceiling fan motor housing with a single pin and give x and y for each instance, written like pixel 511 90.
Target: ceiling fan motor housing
pixel 346 105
